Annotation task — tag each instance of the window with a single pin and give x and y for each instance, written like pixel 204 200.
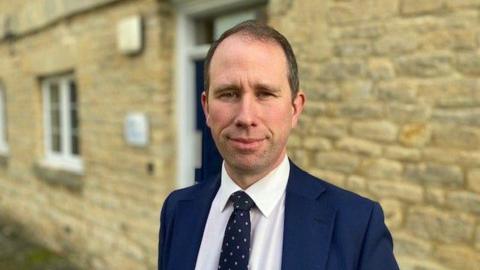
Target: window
pixel 60 115
pixel 3 123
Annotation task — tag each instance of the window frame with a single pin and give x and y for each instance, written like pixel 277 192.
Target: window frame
pixel 65 159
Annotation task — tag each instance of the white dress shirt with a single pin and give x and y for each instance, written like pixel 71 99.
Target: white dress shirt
pixel 266 220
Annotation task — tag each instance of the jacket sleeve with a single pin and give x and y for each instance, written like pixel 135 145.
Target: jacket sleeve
pixel 377 249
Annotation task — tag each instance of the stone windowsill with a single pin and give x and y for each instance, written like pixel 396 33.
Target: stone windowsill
pixel 59 177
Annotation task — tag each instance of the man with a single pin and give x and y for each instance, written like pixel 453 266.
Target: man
pixel 263 212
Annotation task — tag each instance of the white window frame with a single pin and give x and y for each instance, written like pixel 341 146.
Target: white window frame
pixel 65 159
pixel 3 122
pixel 189 140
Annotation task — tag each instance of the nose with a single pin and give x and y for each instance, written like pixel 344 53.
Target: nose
pixel 246 113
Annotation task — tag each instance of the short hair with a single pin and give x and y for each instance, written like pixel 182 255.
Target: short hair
pixel 262 32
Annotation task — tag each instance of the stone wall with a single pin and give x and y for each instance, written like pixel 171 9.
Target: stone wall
pixel 393 112
pixel 109 219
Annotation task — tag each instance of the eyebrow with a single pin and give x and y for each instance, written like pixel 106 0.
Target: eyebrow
pixel 257 86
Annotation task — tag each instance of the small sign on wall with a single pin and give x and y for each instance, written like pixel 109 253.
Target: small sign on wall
pixel 136 129
pixel 130 35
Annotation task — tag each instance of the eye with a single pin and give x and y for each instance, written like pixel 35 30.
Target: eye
pixel 228 95
pixel 265 94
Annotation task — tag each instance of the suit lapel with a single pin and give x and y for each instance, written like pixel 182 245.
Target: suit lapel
pixel 191 217
pixel 308 225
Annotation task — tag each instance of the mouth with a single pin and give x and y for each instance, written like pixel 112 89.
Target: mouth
pixel 246 144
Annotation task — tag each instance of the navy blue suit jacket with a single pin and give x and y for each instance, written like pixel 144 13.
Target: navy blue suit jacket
pixel 325 228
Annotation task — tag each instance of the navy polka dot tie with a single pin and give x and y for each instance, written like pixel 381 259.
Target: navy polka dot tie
pixel 236 240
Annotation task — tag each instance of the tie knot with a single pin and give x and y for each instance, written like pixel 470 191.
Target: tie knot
pixel 241 201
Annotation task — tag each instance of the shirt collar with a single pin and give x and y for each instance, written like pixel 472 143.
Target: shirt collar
pixel 266 192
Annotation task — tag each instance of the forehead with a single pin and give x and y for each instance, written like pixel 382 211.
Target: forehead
pixel 243 52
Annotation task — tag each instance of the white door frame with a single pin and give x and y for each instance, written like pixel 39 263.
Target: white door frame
pixel 188 139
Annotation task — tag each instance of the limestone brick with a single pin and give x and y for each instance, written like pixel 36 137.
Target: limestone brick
pixel 337 161
pixel 381 169
pixel 435 196
pixel 447 227
pixel 330 128
pixel 457 257
pixel 382 131
pixel 338 70
pixel 407 244
pixel 464 201
pixel 412 263
pixel 458 116
pixel 315 143
pixel 412 7
pixel 359 146
pixel 402 153
pixel 397 91
pixel 435 174
pixel 394 44
pixel 355 11
pixel 449 135
pixel 468 63
pixel 407 113
pixel 477 238
pixel 473 180
pixel 381 69
pixel 323 92
pixel 356 110
pixel 415 135
pixel 392 189
pixel 347 48
pixel 424 66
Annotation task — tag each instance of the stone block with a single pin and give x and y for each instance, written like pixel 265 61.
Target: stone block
pixel 415 135
pixel 314 109
pixel 473 180
pixel 396 44
pixel 359 31
pixel 339 70
pixel 358 48
pixel 356 11
pixel 435 174
pixel 380 69
pixel 323 92
pixel 399 190
pixel 450 135
pixel 436 196
pixel 413 7
pixel 392 209
pixel 356 110
pixel 356 90
pixel 477 238
pixel 458 257
pixel 337 161
pixel 397 91
pixel 435 224
pixel 468 116
pixel 458 93
pixel 464 201
pixel 402 153
pixel 330 128
pixel 382 131
pixel 424 65
pixel 359 146
pixel 408 113
pixel 468 64
pixel 316 143
pixel 462 3
pixel 407 244
pixel 381 169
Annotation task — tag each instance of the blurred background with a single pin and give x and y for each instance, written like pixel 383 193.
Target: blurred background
pixel 99 120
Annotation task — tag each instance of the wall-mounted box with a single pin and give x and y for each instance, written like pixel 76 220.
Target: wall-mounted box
pixel 130 35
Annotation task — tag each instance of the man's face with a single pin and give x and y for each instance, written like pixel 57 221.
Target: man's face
pixel 249 106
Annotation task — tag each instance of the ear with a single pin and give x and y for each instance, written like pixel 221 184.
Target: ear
pixel 298 103
pixel 204 100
